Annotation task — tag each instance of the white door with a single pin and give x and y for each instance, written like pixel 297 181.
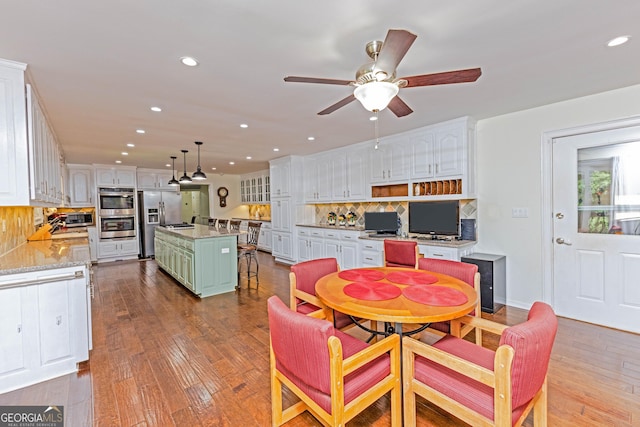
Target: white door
pixel 596 227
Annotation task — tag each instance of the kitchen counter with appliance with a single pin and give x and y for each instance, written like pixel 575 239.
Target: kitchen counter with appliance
pixel 46 255
pixel 202 259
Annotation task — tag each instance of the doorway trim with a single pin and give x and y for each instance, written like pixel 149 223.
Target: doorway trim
pixel 547 191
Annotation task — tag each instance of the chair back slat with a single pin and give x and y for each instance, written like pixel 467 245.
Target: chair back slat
pixel 253 230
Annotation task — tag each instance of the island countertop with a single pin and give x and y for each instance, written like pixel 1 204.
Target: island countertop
pixel 45 255
pixel 199 232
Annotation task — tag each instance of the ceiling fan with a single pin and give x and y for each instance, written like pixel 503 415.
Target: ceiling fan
pixel 376 86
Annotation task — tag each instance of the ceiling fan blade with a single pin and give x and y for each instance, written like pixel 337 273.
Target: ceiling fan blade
pixel 399 108
pixel 337 105
pixel 394 48
pixel 448 77
pixel 295 79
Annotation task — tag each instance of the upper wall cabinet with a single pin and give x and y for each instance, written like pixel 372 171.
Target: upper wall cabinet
pixel 110 176
pixel 155 179
pixel 81 190
pixel 349 174
pixel 31 167
pixel 390 161
pixel 255 187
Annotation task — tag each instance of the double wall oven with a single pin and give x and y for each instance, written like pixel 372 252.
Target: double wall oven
pixel 116 208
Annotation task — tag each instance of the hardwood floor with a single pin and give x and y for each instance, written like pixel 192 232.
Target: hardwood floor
pixel 162 357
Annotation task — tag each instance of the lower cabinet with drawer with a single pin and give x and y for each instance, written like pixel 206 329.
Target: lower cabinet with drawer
pixel 45 328
pixel 453 253
pixel 371 253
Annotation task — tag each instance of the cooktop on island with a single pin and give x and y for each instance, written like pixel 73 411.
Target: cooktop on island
pixel 181 225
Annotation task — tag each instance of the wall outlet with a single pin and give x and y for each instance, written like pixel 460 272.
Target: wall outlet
pixel 519 212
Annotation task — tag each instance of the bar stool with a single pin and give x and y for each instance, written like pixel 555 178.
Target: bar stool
pixel 213 222
pixel 222 223
pixel 234 225
pixel 249 251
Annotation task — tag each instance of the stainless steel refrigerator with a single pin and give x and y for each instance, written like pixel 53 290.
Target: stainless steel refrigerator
pixel 156 208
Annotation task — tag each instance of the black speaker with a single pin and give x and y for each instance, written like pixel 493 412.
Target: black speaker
pixel 468 229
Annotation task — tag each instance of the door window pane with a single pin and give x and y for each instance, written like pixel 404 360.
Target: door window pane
pixel 609 189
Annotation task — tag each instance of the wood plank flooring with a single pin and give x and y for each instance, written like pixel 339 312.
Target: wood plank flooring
pixel 162 357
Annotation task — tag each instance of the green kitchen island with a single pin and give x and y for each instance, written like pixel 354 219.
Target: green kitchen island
pixel 203 260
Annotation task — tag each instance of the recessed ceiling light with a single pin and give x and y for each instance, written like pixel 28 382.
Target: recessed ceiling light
pixel 244 125
pixel 373 118
pixel 124 153
pixel 156 109
pixel 140 131
pixel 168 165
pixel 618 41
pixel 118 161
pixel 213 169
pixel 276 149
pixel 232 163
pixel 311 138
pixel 131 145
pixel 248 157
pixel 189 61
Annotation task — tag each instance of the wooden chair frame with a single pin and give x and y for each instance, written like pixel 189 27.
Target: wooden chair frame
pixel 339 368
pixel 499 379
pixel 418 256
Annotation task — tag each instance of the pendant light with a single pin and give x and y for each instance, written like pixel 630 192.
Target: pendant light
pixel 184 179
pixel 173 180
pixel 198 174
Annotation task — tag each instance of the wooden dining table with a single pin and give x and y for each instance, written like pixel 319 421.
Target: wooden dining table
pixel 396 304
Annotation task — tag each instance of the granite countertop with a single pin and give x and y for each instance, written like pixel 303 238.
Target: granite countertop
pixel 45 255
pixel 200 232
pixel 427 241
pixel 333 227
pixel 261 219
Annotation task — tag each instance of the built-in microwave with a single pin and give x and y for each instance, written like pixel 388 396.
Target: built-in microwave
pixel 116 201
pixel 117 226
pixel 78 219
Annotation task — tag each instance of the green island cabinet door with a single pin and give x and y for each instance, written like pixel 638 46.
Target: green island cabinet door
pixel 215 265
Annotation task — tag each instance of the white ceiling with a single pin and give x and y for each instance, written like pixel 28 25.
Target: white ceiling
pixel 100 66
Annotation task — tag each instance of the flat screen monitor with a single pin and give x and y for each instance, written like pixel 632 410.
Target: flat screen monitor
pixel 435 218
pixel 381 222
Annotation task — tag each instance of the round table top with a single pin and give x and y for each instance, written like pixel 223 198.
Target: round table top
pixel 330 290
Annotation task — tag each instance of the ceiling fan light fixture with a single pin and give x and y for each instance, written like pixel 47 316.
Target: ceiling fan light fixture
pixel 173 180
pixel 184 179
pixel 198 174
pixel 375 96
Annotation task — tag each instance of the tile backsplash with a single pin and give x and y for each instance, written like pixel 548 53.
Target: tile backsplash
pixel 16 224
pixel 467 210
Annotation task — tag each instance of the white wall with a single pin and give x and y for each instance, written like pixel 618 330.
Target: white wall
pixel 234 207
pixel 509 175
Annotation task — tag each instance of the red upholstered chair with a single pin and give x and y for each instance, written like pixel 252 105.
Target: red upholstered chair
pixel 302 288
pixel 464 271
pixel 400 253
pixel 335 375
pixel 478 385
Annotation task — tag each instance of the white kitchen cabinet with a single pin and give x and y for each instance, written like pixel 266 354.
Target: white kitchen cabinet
pixel 109 176
pixel 280 171
pixel 81 190
pixel 154 179
pixel 255 188
pixel 349 174
pixel 371 253
pixel 117 249
pixel 282 246
pixel 318 178
pixel 31 171
pixel 390 162
pixel 93 243
pixel 445 252
pixel 264 241
pixel 46 163
pixel 342 245
pixel 450 152
pixel 310 243
pixel 44 324
pixel 281 215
